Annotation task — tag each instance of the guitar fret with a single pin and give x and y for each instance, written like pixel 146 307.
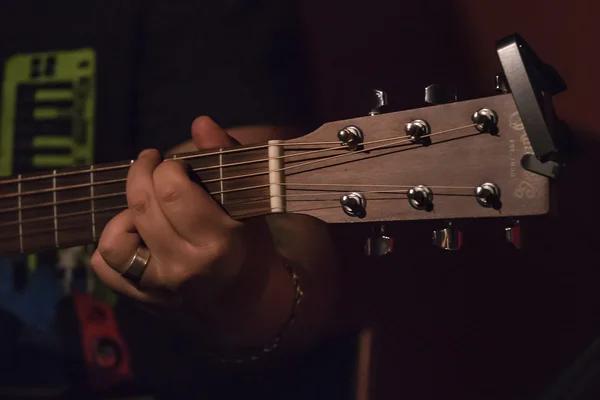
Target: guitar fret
pixel 35 215
pixel 221 176
pixel 73 208
pixel 240 201
pixel 55 209
pixel 93 209
pixel 19 191
pixel 9 214
pixel 108 198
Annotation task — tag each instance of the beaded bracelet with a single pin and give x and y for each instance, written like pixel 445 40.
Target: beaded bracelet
pixel 255 354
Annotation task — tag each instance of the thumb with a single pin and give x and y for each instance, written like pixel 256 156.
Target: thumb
pixel 206 134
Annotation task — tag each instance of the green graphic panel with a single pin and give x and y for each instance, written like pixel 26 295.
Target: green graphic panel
pixel 47 114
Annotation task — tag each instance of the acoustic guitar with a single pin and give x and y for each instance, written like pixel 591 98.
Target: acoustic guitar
pixel 450 161
pixel 492 157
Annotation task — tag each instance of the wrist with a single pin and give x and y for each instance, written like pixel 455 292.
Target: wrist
pixel 254 302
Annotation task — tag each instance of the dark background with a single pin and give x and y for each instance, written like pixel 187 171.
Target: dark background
pixel 487 323
pixel 483 323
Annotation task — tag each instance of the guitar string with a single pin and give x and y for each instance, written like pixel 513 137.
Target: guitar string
pixel 311 152
pixel 100 210
pixel 85 185
pixel 53 230
pixel 192 156
pixel 122 207
pixel 328 158
pixel 118 194
pixel 113 181
pixel 350 153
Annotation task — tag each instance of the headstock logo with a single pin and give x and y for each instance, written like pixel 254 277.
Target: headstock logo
pixel 515 122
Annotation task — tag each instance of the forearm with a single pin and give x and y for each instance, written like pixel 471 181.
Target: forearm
pixel 256 306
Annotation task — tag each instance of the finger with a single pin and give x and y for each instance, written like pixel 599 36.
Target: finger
pixel 152 225
pixel 119 284
pixel 119 243
pixel 192 212
pixel 206 134
pixel 114 280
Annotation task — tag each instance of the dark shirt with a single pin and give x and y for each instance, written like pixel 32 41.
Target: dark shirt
pixel 160 64
pixel 149 67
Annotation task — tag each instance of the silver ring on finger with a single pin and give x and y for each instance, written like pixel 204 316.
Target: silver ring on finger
pixel 137 265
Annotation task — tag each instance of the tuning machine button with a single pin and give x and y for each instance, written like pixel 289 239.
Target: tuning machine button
pixel 513 235
pixel 440 94
pixel 379 102
pixel 486 121
pixel 379 243
pixel 418 131
pixel 351 137
pixel 354 204
pixel 488 195
pixel 448 238
pixel 420 198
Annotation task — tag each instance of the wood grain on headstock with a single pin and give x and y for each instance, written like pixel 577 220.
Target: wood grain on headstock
pixel 453 165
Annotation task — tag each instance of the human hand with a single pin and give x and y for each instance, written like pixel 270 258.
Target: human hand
pixel 225 280
pixel 195 247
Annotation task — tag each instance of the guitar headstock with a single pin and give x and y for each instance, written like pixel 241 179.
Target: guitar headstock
pixel 451 171
pixel 483 158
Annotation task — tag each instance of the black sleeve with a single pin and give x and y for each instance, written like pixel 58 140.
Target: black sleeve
pixel 241 62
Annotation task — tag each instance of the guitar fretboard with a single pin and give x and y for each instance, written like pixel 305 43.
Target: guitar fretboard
pixel 64 208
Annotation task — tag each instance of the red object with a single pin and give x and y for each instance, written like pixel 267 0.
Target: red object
pixel 105 352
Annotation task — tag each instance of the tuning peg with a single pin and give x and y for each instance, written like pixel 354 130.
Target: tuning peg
pixel 513 235
pixel 440 94
pixel 448 238
pixel 379 244
pixel 502 84
pixel 379 102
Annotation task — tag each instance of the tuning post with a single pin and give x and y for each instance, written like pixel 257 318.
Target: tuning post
pixel 448 238
pixel 486 121
pixel 379 243
pixel 488 195
pixel 513 235
pixel 351 137
pixel 501 84
pixel 421 198
pixel 440 94
pixel 418 131
pixel 380 102
pixel 354 204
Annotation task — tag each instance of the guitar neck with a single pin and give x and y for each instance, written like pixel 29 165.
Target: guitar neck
pixel 367 169
pixel 71 207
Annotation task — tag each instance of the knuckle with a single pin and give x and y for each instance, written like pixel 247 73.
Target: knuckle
pixel 168 181
pixel 218 247
pixel 108 250
pixel 138 202
pixel 96 261
pixel 169 193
